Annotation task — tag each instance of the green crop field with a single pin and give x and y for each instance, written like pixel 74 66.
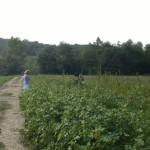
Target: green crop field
pixel 107 113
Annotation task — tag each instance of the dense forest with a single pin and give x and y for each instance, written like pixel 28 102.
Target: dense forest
pixel 126 58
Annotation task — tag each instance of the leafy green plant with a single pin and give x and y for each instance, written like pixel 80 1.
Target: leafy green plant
pixel 106 113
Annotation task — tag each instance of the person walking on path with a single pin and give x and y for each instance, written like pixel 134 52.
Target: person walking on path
pixel 26 79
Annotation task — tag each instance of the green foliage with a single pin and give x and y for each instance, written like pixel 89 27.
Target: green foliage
pixel 13 58
pixel 2 44
pixel 127 58
pixel 33 48
pixel 31 63
pixel 67 57
pixel 147 57
pixel 110 59
pixel 106 113
pixel 2 146
pixel 47 60
pixel 16 47
pixel 90 58
pixel 13 65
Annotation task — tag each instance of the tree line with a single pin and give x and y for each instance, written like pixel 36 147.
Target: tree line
pixel 127 58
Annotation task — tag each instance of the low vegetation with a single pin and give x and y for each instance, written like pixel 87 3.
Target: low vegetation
pixel 4 79
pixel 108 112
pixel 2 146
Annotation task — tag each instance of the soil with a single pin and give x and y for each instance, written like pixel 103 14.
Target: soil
pixel 12 120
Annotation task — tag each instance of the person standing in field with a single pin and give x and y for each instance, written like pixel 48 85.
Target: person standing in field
pixel 79 79
pixel 26 79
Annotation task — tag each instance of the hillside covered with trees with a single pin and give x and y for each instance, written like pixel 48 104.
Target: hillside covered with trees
pixel 127 58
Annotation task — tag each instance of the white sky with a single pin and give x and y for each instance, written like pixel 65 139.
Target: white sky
pixel 75 21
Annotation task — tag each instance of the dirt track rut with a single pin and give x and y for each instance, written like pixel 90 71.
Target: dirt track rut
pixel 12 120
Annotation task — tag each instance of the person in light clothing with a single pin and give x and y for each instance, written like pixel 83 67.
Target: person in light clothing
pixel 26 79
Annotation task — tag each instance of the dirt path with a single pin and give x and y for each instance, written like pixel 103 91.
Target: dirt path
pixel 12 120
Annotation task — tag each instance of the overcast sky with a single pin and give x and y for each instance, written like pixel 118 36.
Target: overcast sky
pixel 75 21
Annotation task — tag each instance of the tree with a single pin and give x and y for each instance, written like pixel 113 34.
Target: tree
pixel 13 56
pixel 98 42
pixel 47 60
pixel 67 58
pixel 90 58
pixel 132 57
pixel 2 44
pixel 31 64
pixel 147 58
pixel 16 47
pixel 138 58
pixel 12 66
pixel 33 48
pixel 77 51
pixel 111 60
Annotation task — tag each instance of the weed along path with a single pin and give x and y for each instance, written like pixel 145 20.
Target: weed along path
pixel 12 121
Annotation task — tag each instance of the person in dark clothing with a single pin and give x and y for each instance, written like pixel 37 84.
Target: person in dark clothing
pixel 79 79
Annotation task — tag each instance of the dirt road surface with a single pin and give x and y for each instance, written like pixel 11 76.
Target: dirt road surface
pixel 12 120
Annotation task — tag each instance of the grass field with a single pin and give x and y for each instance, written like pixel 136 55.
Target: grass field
pixel 4 79
pixel 108 112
